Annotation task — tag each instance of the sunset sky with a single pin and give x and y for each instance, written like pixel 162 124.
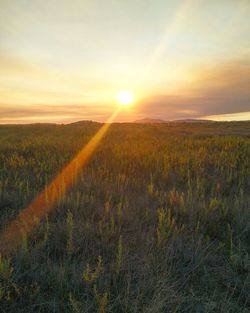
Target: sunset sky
pixel 65 60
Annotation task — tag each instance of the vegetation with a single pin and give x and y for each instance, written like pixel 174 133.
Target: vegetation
pixel 158 221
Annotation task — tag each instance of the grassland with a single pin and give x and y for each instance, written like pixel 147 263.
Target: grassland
pixel 159 220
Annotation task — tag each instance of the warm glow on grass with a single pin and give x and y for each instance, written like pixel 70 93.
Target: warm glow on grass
pixel 125 97
pixel 30 217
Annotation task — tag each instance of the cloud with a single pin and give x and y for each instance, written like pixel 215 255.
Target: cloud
pixel 241 116
pixel 222 88
pixel 219 89
pixel 31 82
pixel 50 113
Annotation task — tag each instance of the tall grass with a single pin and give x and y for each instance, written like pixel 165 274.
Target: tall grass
pixel 157 222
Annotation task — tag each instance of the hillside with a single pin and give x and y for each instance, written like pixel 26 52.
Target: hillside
pixel 156 121
pixel 149 121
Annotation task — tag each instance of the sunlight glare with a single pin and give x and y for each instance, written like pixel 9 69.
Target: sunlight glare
pixel 125 97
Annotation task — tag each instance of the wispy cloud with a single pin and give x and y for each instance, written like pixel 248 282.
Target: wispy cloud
pixel 219 89
pixel 241 116
pixel 51 113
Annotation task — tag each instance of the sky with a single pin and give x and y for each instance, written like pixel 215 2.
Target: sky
pixel 65 60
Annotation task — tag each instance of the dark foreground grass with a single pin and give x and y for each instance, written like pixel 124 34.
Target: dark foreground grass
pixel 159 221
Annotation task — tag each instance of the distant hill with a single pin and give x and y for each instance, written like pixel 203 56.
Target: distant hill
pixel 149 121
pixel 157 121
pixel 192 120
pixel 83 122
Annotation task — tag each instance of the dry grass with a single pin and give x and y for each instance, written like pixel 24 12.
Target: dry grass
pixel 158 222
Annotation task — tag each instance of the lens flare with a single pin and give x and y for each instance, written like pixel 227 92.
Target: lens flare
pixel 30 217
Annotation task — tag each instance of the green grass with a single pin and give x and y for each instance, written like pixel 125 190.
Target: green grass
pixel 159 220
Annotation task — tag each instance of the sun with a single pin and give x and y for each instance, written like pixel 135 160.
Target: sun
pixel 125 97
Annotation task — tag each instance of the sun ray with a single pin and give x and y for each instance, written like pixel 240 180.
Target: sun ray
pixel 169 32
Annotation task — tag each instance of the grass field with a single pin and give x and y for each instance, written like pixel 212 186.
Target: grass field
pixel 158 221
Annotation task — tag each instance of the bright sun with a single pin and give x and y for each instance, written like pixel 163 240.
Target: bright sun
pixel 125 97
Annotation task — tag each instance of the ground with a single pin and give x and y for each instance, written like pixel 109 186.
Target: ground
pixel 158 221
